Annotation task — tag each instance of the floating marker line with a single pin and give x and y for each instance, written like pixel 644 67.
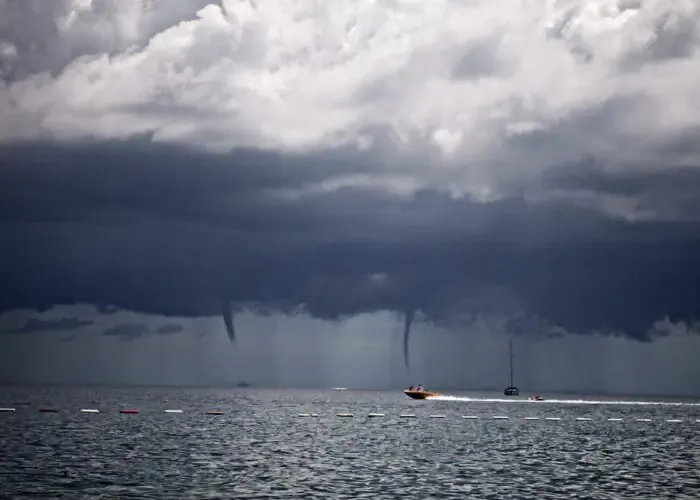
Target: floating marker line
pixel 687 418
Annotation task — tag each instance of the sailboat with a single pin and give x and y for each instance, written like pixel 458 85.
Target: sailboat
pixel 511 390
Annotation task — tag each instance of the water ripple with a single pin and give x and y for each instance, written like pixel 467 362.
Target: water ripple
pixel 260 448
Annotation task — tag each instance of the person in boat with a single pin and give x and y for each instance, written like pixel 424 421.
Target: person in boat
pixel 410 388
pixel 420 388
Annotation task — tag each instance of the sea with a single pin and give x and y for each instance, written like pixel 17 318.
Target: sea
pixel 342 444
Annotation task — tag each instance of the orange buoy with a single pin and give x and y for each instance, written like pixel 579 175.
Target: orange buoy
pixel 215 413
pixel 48 410
pixel 128 411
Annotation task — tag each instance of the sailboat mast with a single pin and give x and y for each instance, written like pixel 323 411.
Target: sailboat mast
pixel 510 351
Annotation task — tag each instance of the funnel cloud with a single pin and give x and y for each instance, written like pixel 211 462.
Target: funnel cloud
pixel 408 321
pixel 227 314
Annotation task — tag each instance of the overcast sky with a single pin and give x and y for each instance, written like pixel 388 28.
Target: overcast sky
pixel 206 192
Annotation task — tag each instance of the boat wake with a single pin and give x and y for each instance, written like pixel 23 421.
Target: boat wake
pixel 560 401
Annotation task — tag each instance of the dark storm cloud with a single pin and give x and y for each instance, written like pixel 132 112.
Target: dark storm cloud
pixel 127 331
pixel 673 193
pixel 167 230
pixel 35 325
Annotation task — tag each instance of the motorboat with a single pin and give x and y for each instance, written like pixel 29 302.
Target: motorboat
pixel 535 398
pixel 420 394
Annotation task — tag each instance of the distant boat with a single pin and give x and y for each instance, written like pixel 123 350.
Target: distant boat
pixel 511 390
pixel 339 389
pixel 422 394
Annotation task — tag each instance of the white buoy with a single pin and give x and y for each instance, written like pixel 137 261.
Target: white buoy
pixel 614 420
pixel 552 418
pixel 173 411
pixel 407 415
pixel 643 420
pixel 499 417
pixel 674 420
pixel 7 410
pixel 470 417
pixel 532 418
pixel 583 419
pixel 344 415
pixel 373 415
pixel 89 410
pixel 437 416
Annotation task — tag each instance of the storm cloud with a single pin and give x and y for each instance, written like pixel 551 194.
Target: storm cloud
pixel 447 161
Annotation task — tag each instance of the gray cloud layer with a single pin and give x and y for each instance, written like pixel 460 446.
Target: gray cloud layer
pixel 128 331
pixel 34 325
pixel 169 328
pixel 538 163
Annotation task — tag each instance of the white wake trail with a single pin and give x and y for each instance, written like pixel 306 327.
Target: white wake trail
pixel 561 401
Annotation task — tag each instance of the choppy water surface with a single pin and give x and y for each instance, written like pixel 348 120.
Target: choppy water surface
pixel 262 448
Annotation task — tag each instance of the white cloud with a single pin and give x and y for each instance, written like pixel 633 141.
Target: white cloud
pixel 485 93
